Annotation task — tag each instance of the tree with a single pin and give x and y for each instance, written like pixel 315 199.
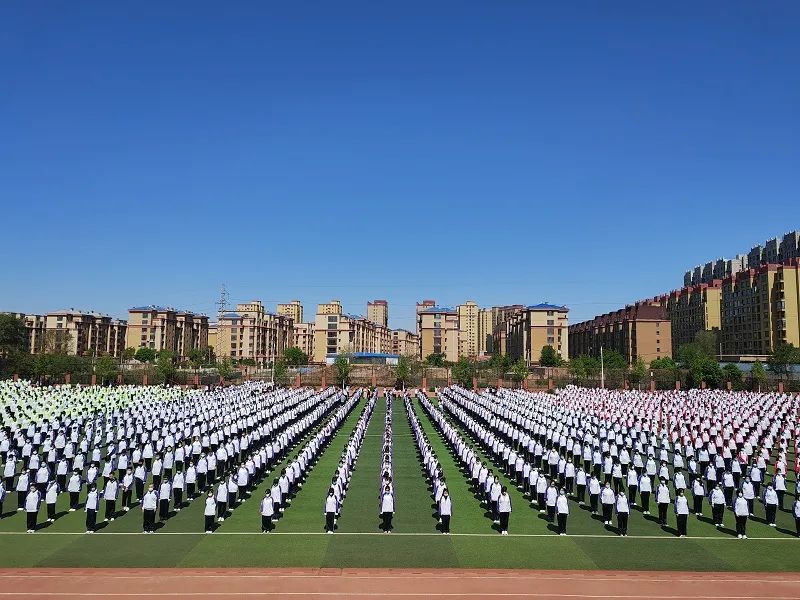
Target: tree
pixel 105 368
pixel 663 364
pixel 463 372
pixel 403 370
pixel 705 368
pixel 165 365
pixel 638 371
pixel 708 343
pixel 732 373
pixel 614 360
pixel 584 366
pixel 195 357
pixel 782 360
pixel 280 372
pixel 435 360
pixel 500 363
pixel 295 357
pixel 549 357
pixel 520 370
pixel 343 368
pixel 57 341
pixel 13 335
pixel 247 362
pixel 129 353
pixel 225 369
pixel 145 355
pixel 758 374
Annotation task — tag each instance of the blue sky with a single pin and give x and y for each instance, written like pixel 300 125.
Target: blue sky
pixel 505 152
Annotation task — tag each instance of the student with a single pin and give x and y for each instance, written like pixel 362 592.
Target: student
pixel 2 497
pixel 149 506
pixel 741 511
pixel 178 485
pixel 387 510
pixel 222 500
pixel 74 488
pixel 209 511
pixel 445 511
pixel 562 510
pixel 681 512
pixel 663 500
pixel 779 483
pixel 623 511
pixel 110 496
pixel 645 489
pixel 23 488
pixel 50 498
pixel 770 504
pixel 552 497
pixel 607 500
pixel 698 493
pixel 164 494
pixel 127 489
pixel 504 509
pixel 594 493
pixel 717 500
pixel 31 506
pixel 267 510
pixel 331 509
pixel 796 514
pixel 749 492
pixel 91 508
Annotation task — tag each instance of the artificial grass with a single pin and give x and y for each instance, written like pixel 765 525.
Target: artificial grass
pixel 298 541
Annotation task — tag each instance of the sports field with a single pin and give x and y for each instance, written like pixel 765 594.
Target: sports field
pixel 299 539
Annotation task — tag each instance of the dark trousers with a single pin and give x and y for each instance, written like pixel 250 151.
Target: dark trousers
pixel 266 523
pixel 74 499
pixel 593 498
pixel 329 519
pixel 126 498
pixel 607 508
pixel 190 490
pixel 163 508
pixel 741 525
pixel 386 521
pixel 562 522
pixel 717 512
pixel 111 508
pixel 504 521
pixel 698 505
pixel 139 488
pixel 209 525
pixel 622 523
pixel 662 512
pixel 445 523
pixel 91 519
pixel 201 481
pixel 770 509
pixel 51 511
pixel 221 508
pixel 32 519
pixel 632 494
pixel 681 524
pixel 581 492
pixel 797 525
pixel 178 498
pixel 149 520
pixel 645 501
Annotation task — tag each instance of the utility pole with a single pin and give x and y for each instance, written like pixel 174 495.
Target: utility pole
pixel 222 303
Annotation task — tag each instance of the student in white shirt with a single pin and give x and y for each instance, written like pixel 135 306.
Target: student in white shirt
pixel 741 512
pixel 222 500
pixel 32 502
pixel 623 511
pixel 562 512
pixel 91 508
pixel 717 500
pixel 770 504
pixel 607 499
pixel 796 515
pixel 110 496
pixel 504 509
pixel 149 506
pixel 74 486
pixel 50 498
pixel 663 500
pixel 681 512
pixel 267 510
pixel 445 511
pixel 331 509
pixel 387 510
pixel 209 510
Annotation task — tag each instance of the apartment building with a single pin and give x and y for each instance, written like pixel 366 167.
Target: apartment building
pixel 336 332
pixel 405 343
pixel 292 310
pixel 378 312
pixel 642 330
pixel 250 332
pixel 304 339
pixel 491 337
pixel 691 310
pixel 759 310
pixel 165 328
pixel 528 331
pixel 77 332
pixel 468 318
pixel 438 332
pixel 35 328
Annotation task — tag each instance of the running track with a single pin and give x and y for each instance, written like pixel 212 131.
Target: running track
pixel 216 584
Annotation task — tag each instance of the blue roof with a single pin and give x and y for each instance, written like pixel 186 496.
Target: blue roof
pixel 546 306
pixel 370 355
pixel 439 309
pixel 231 315
pixel 151 307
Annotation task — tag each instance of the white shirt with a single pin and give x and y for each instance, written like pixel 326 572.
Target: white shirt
pixel 387 503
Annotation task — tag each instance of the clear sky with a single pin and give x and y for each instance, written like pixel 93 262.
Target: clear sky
pixel 505 152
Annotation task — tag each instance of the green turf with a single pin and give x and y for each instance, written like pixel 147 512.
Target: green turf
pixel 298 541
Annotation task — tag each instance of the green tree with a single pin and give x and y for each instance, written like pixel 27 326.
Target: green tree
pixel 57 341
pixel 129 353
pixel 295 357
pixel 247 362
pixel 549 357
pixel 758 374
pixel 500 363
pixel 614 360
pixel 225 369
pixel 782 360
pixel 519 370
pixel 343 368
pixel 638 371
pixel 145 355
pixel 707 342
pixel 280 372
pixel 196 357
pixel 585 366
pixel 165 365
pixel 106 369
pixel 463 372
pixel 663 364
pixel 732 373
pixel 435 360
pixel 13 336
pixel 403 371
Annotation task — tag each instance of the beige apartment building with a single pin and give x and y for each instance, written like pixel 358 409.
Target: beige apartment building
pixel 438 332
pixel 293 310
pixel 336 332
pixel 760 310
pixel 35 329
pixel 491 337
pixel 537 326
pixel 378 312
pixel 468 343
pixel 642 330
pixel 83 333
pixel 250 332
pixel 304 339
pixel 405 343
pixel 693 309
pixel 162 328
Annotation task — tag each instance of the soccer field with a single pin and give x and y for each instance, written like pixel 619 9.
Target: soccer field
pixel 299 539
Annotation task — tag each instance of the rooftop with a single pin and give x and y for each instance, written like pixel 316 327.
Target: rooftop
pixel 547 306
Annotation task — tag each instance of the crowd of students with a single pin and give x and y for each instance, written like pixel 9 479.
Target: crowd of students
pixel 626 447
pixel 386 483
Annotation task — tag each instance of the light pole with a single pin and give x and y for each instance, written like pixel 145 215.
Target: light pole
pixel 602 370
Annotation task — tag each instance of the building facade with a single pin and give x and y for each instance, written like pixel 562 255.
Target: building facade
pixel 438 332
pixel 378 312
pixel 338 333
pixel 405 343
pixel 528 331
pixel 692 310
pixel 163 328
pixel 252 333
pixel 304 339
pixel 468 339
pixel 642 330
pixel 292 310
